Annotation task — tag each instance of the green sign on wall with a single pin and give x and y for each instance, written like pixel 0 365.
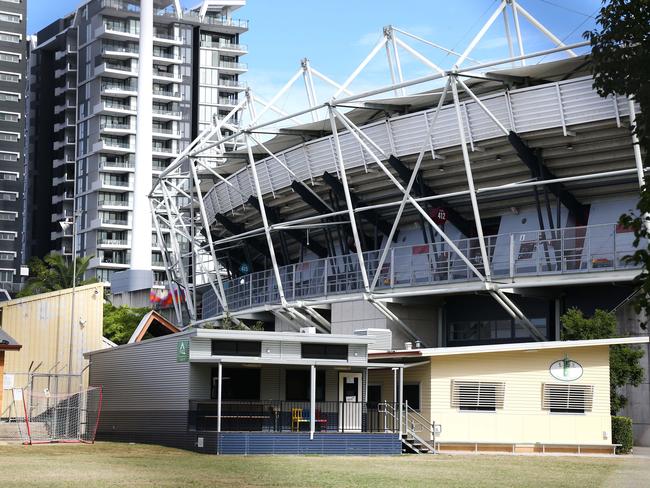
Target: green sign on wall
pixel 183 351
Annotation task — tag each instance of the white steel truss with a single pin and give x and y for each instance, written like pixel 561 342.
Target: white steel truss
pixel 179 204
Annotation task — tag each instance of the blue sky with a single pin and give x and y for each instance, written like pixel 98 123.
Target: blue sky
pixel 336 35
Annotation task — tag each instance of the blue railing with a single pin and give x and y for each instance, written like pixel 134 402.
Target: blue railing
pixel 587 249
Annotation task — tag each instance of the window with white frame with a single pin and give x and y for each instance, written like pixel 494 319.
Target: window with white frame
pixel 9 97
pixel 9 136
pixel 9 117
pixel 9 77
pixel 7 236
pixel 567 398
pixel 8 216
pixel 10 17
pixel 10 37
pixel 8 156
pixel 477 395
pixel 8 176
pixel 8 196
pixel 7 256
pixel 6 275
pixel 9 57
pixel 11 1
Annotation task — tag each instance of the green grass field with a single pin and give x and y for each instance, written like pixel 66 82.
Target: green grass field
pixel 124 465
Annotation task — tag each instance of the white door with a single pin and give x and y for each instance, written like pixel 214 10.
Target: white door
pixel 350 406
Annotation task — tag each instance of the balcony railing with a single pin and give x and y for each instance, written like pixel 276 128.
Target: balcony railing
pixel 291 416
pixel 110 221
pixel 589 249
pixel 232 65
pixel 117 105
pixel 113 203
pixel 168 113
pixel 166 93
pixel 112 242
pixel 117 164
pixel 224 45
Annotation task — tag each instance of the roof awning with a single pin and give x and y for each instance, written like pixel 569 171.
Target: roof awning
pixel 8 343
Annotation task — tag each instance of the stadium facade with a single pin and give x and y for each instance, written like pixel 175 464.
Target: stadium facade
pixel 472 213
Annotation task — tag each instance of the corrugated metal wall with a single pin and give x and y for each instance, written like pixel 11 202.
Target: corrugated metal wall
pixel 42 324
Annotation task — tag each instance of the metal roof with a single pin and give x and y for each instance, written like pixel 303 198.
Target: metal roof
pixel 7 342
pixel 521 346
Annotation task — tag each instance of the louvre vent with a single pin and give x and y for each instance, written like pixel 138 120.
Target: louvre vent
pixel 477 395
pixel 568 398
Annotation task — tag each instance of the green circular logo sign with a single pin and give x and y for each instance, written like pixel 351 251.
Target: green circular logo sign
pixel 566 370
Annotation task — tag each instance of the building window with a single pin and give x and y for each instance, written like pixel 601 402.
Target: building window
pixel 9 17
pixel 9 136
pixel 8 176
pixel 412 395
pixel 9 97
pixel 7 236
pixel 236 348
pixel 7 196
pixel 10 37
pixel 9 117
pixel 298 382
pixel 9 57
pixel 6 276
pixel 477 395
pixel 237 383
pixel 374 396
pixel 7 256
pixel 9 77
pixel 8 216
pixel 559 398
pixel 324 351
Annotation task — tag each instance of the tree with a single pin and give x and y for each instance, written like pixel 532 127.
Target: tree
pixel 121 322
pixel 620 55
pixel 624 366
pixel 55 272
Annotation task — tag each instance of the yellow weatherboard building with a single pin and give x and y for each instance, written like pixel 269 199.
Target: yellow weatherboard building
pixel 526 397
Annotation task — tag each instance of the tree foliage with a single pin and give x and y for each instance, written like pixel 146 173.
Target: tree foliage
pixel 624 366
pixel 55 272
pixel 620 54
pixel 121 322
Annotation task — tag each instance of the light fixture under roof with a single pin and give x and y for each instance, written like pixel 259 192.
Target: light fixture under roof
pixel 441 169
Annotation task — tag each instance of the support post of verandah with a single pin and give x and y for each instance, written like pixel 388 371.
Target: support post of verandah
pixel 401 399
pixel 219 381
pixel 312 403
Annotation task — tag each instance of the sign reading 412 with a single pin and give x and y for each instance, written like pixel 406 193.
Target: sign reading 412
pixel 566 370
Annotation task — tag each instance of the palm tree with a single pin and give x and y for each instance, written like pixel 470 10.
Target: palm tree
pixel 55 272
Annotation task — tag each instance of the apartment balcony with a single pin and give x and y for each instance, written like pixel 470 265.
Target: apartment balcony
pixel 59 180
pixel 229 102
pixel 108 223
pixel 114 262
pixel 120 52
pixel 121 6
pixel 111 185
pixel 68 68
pixel 59 234
pixel 115 70
pixel 115 108
pixel 61 162
pixel 67 124
pixel 119 89
pixel 164 114
pixel 226 24
pixel 164 39
pixel 56 199
pixel 167 76
pixel 60 216
pixel 232 85
pixel 167 58
pixel 233 66
pixel 233 48
pixel 60 90
pixel 166 95
pixel 68 105
pixel 115 128
pixel 66 141
pixel 164 152
pixel 115 31
pixel 117 166
pixel 113 243
pixel 111 204
pixel 113 147
pixel 166 133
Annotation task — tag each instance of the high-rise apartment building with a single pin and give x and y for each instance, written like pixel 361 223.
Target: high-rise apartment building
pixel 13 54
pixel 88 93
